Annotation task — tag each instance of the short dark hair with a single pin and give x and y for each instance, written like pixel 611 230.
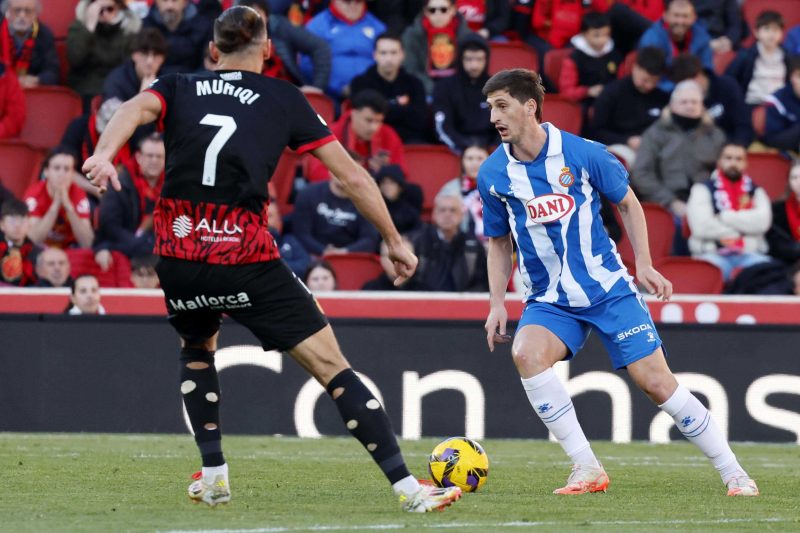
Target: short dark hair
pixel 652 59
pixel 154 137
pixel 321 263
pixel 372 99
pixel 57 151
pixel 144 261
pixel 735 144
pixel 765 18
pixel 668 3
pixel 13 208
pixel 685 67
pixel 474 45
pixel 594 20
pixel 522 84
pixel 149 40
pixel 389 36
pixel 74 286
pixel 238 28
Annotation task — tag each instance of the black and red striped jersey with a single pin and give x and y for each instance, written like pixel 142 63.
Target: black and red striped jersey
pixel 224 133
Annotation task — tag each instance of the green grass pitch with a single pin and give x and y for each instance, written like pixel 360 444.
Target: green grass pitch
pixel 110 483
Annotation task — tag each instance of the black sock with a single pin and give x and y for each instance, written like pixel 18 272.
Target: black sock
pixel 201 395
pixel 367 421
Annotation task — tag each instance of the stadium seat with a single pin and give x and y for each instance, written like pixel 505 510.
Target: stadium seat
pixel 511 55
pixel 691 276
pixel 354 269
pixel 430 167
pixel 789 9
pixel 19 166
pixel 759 118
pixel 552 64
pixel 769 170
pixel 283 179
pixel 82 261
pixel 63 61
pixel 58 15
pixel 660 232
pixel 722 60
pixel 49 112
pixel 627 64
pixel 565 114
pixel 322 105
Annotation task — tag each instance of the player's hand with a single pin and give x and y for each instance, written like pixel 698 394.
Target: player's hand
pixel 655 284
pixel 405 262
pixel 496 327
pixel 100 172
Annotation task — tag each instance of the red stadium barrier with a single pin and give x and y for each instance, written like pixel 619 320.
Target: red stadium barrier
pixel 682 309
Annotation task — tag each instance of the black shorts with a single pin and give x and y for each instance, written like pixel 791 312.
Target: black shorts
pixel 266 298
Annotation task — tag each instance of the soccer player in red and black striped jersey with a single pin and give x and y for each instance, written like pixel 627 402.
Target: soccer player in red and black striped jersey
pixel 224 133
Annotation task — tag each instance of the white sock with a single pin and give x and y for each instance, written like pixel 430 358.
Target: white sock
pixel 210 473
pixel 408 486
pixel 552 403
pixel 697 425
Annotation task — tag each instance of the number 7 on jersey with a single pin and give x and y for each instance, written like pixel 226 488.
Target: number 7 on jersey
pixel 226 127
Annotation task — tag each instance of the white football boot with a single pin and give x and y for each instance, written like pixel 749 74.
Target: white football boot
pixel 216 492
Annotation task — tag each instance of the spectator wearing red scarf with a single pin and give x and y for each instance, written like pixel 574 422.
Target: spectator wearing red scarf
pixel 729 215
pixel 784 235
pixel 27 46
pixel 362 131
pixel 12 104
pixel 17 251
pixel 431 42
pixel 125 221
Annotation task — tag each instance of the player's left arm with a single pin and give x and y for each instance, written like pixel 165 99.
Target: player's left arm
pixel 142 109
pixel 636 227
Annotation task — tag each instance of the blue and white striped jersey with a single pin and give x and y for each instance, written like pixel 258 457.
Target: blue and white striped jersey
pixel 551 206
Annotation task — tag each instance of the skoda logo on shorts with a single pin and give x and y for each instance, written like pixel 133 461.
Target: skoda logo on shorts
pixel 182 226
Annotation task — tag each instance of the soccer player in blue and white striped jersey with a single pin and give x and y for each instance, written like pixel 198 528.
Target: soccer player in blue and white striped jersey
pixel 541 197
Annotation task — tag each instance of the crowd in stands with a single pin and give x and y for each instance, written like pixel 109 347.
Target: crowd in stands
pixel 689 94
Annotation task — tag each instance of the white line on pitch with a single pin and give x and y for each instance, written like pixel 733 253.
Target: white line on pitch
pixel 374 527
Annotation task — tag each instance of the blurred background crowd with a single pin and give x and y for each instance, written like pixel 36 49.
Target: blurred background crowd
pixel 699 99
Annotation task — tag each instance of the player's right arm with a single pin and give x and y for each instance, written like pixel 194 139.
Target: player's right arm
pixel 366 196
pixel 499 264
pixel 143 108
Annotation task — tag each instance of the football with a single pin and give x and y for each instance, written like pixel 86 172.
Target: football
pixel 460 462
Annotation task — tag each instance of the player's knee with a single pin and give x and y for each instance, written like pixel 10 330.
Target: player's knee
pixel 324 366
pixel 200 343
pixel 656 386
pixel 530 360
pixel 196 358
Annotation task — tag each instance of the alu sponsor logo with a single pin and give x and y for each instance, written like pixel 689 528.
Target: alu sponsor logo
pixel 182 226
pixel 226 301
pixel 550 207
pixel 621 336
pixel 212 231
